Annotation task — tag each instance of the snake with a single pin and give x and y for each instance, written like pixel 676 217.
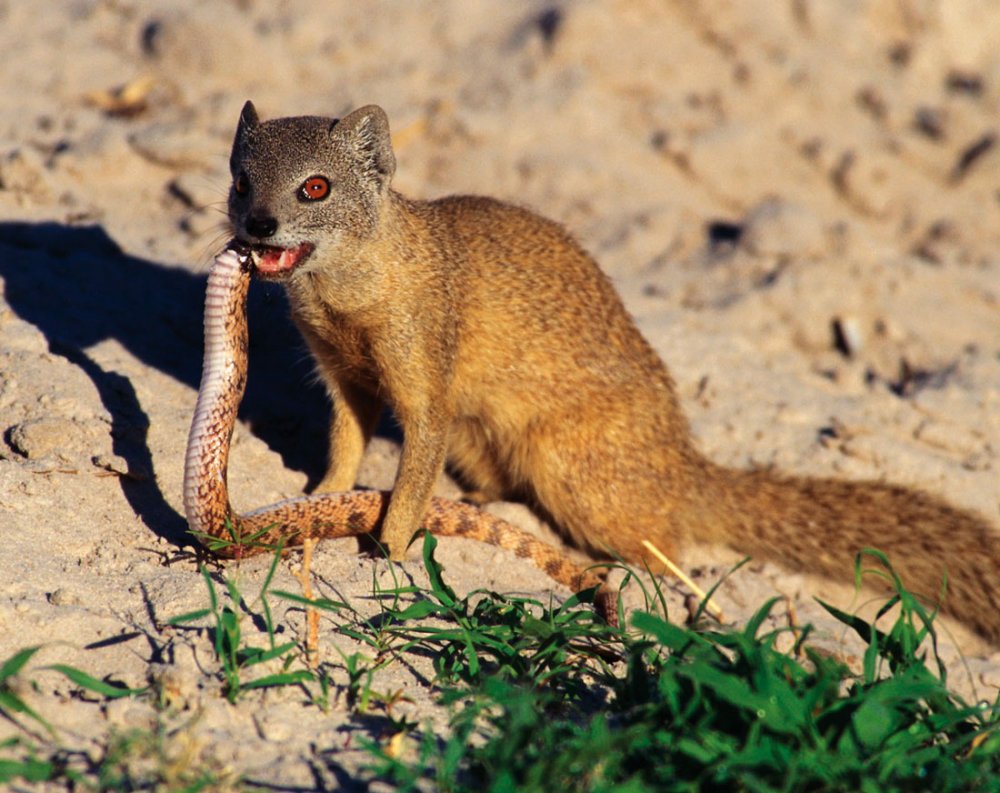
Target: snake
pixel 227 533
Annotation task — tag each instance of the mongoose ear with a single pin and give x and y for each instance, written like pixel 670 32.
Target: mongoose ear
pixel 367 129
pixel 248 116
pixel 249 121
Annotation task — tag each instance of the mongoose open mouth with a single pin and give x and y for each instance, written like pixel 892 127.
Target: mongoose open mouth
pixel 272 262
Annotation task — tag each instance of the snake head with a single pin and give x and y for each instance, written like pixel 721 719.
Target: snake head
pixel 242 251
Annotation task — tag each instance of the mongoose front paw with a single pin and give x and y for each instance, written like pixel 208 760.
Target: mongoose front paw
pixel 396 541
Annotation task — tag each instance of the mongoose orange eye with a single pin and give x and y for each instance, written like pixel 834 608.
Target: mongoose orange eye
pixel 241 185
pixel 315 188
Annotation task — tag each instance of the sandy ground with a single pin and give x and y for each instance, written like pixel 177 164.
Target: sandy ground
pixel 753 175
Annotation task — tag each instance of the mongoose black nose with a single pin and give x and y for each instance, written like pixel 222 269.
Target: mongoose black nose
pixel 261 226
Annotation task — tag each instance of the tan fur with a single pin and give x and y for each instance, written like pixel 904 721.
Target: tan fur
pixel 503 349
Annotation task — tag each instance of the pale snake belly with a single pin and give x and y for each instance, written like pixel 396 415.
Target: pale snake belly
pixel 210 514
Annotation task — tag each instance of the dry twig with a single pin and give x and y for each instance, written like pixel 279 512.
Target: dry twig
pixel 711 605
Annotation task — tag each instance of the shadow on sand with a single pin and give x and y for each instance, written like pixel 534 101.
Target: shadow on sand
pixel 77 287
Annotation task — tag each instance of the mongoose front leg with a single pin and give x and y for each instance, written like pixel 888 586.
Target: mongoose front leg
pixel 424 444
pixel 351 427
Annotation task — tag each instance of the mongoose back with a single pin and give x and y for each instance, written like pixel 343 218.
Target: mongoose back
pixel 504 350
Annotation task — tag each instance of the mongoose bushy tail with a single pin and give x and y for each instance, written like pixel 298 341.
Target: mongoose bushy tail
pixel 831 520
pixel 504 350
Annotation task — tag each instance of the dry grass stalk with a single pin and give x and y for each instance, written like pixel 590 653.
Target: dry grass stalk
pixel 312 615
pixel 711 605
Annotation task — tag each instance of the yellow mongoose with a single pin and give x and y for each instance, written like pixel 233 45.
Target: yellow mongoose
pixel 503 349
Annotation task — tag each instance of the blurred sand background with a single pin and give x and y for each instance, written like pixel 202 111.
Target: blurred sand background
pixel 798 199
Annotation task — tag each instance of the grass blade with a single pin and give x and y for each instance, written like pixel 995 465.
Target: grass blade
pixel 11 704
pixel 191 616
pixel 323 604
pixel 281 679
pixel 30 770
pixel 444 593
pixel 16 662
pixel 109 690
pixel 253 656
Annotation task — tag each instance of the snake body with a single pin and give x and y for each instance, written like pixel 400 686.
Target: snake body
pixel 210 515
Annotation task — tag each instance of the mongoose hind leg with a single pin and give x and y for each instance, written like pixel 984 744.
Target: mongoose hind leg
pixel 606 503
pixel 474 458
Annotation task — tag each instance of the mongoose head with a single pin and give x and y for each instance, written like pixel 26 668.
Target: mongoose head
pixel 308 185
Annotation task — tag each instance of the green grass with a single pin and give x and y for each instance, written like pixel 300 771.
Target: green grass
pixel 537 707
pixel 545 696
pixel 235 659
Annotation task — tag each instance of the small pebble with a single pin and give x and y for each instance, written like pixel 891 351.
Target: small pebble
pixel 43 437
pixel 780 228
pixel 273 724
pixel 64 597
pixel 116 464
pixel 848 337
pixel 947 436
pixel 176 684
pixel 170 145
